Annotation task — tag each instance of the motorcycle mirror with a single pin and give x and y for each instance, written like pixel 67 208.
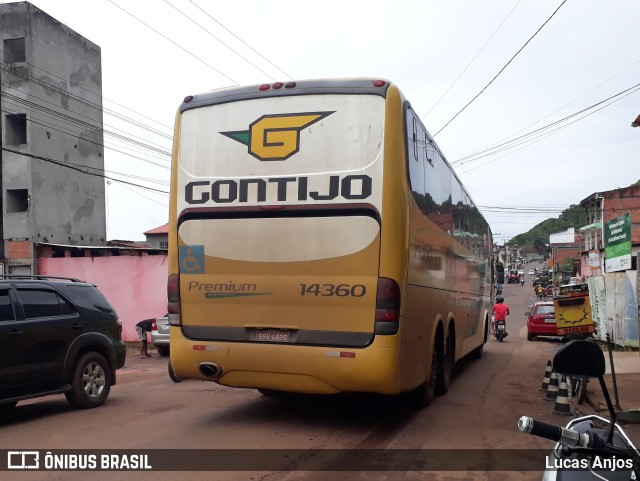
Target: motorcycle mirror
pixel 579 358
pixel 585 358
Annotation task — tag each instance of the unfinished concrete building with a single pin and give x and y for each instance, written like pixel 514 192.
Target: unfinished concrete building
pixel 52 157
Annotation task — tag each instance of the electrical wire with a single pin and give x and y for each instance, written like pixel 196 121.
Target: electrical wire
pixel 92 124
pixel 245 43
pixel 553 131
pixel 138 193
pixel 11 72
pixel 550 114
pixel 175 43
pixel 80 169
pixel 471 62
pixel 223 43
pixel 557 124
pixel 76 134
pixel 501 70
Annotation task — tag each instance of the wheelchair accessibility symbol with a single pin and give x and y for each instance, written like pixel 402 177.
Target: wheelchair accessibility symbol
pixel 191 259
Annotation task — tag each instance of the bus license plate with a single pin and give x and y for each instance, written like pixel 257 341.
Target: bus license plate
pixel 272 335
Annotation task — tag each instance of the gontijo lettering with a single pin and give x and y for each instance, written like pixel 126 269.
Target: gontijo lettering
pixel 349 187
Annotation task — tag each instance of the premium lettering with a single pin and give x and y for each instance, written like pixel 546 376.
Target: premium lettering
pixel 221 287
pixel 283 189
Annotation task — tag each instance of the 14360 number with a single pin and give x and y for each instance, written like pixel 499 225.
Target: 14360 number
pixel 326 290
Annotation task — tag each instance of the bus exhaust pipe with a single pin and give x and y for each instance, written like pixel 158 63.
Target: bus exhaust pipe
pixel 210 369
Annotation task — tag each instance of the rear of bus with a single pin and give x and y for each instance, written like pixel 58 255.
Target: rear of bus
pixel 275 239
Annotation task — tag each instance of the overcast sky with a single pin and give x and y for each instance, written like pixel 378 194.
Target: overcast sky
pixel 440 53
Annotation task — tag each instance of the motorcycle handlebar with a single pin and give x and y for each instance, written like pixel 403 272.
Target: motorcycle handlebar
pixel 565 436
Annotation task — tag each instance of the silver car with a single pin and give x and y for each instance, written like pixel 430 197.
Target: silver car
pixel 160 334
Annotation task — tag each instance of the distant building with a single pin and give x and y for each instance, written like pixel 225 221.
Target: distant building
pixel 158 237
pixel 565 254
pixel 52 157
pixel 613 286
pixel 603 207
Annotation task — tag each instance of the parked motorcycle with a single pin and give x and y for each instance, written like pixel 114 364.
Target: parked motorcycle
pixel 590 447
pixel 501 330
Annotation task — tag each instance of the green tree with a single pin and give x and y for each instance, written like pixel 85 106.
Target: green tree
pixel 538 237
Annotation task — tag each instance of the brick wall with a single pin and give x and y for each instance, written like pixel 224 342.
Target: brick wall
pixel 19 250
pixel 620 202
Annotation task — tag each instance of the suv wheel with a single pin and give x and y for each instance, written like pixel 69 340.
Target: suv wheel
pixel 91 382
pixel 163 350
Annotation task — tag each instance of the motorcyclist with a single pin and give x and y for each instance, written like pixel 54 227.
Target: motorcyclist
pixel 498 289
pixel 500 311
pixel 540 291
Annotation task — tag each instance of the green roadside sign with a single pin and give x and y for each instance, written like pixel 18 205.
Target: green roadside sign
pixel 617 237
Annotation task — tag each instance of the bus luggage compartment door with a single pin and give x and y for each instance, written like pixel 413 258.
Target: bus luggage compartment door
pixel 290 280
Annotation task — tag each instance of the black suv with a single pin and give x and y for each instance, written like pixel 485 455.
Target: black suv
pixel 57 335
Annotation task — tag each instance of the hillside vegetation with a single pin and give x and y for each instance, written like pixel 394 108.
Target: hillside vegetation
pixel 574 216
pixel 538 236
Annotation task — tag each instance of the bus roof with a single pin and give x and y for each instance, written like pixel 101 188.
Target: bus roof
pixel 303 87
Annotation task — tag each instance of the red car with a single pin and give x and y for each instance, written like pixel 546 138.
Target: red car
pixel 542 320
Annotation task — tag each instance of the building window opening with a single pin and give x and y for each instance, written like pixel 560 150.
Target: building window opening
pixel 14 50
pixel 17 200
pixel 16 129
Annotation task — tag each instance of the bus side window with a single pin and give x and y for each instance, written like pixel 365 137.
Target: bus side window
pixel 416 167
pixel 416 157
pixel 438 192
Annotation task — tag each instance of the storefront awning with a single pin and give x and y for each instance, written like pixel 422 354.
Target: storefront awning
pixel 595 225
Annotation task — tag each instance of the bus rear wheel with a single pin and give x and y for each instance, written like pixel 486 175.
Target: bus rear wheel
pixel 445 365
pixel 423 395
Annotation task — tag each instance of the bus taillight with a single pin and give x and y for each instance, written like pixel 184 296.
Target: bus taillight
pixel 387 306
pixel 173 297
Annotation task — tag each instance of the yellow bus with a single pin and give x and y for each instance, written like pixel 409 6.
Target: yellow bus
pixel 319 242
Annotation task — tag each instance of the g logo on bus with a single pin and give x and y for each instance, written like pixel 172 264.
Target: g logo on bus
pixel 277 136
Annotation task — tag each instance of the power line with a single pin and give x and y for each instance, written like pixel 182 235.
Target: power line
pixel 245 43
pixel 138 193
pixel 68 165
pixel 550 114
pixel 75 134
pixel 226 45
pixel 501 70
pixel 503 146
pixel 553 131
pixel 472 60
pixel 81 123
pixel 147 179
pixel 175 43
pixel 65 93
pixel 528 137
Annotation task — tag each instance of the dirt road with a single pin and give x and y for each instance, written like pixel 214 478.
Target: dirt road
pixel 147 411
